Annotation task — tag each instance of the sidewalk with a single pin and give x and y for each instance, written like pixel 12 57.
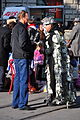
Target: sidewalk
pixel 35 100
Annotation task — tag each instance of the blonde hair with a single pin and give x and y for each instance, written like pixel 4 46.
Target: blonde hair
pixel 21 14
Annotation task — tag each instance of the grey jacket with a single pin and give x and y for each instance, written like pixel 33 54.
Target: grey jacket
pixel 75 40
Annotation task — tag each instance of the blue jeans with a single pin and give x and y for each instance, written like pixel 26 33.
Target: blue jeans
pixel 20 89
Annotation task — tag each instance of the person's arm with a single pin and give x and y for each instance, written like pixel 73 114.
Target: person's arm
pixel 69 43
pixel 72 36
pixel 7 40
pixel 24 41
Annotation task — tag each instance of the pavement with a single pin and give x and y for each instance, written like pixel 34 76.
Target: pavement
pixel 42 111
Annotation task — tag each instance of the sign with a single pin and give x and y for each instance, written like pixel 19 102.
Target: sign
pixel 12 11
pixel 52 10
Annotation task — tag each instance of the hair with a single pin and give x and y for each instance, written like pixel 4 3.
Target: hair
pixel 12 17
pixel 22 14
pixel 40 44
pixel 30 21
pixel 11 25
pixel 70 52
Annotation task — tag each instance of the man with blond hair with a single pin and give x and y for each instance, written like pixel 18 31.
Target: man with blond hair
pixel 21 50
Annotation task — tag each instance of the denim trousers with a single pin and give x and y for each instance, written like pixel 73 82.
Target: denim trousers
pixel 20 87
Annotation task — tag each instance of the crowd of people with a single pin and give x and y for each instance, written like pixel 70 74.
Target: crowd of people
pixel 40 54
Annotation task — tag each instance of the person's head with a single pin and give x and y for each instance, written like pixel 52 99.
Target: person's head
pixel 59 24
pixel 71 53
pixel 11 25
pixel 41 26
pixel 31 21
pixel 11 20
pixel 48 23
pixel 39 45
pixel 23 16
pixel 76 20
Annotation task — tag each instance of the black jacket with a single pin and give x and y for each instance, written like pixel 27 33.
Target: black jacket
pixel 5 38
pixel 21 45
pixel 34 34
pixel 34 38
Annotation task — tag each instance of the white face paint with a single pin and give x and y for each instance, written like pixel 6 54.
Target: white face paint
pixel 48 27
pixel 75 23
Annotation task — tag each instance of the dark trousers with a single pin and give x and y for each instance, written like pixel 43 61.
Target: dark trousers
pixel 52 75
pixel 2 76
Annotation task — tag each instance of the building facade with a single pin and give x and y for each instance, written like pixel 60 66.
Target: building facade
pixel 40 12
pixel 70 11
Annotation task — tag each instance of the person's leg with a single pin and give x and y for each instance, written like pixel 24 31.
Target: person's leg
pixel 40 72
pixel 1 77
pixel 16 85
pixel 32 81
pixel 52 76
pixel 49 98
pixel 24 76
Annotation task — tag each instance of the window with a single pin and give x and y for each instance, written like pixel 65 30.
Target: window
pixel 40 2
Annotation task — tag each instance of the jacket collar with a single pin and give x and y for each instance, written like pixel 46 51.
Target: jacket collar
pixel 22 24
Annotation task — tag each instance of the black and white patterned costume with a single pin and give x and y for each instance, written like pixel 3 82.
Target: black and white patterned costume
pixel 59 81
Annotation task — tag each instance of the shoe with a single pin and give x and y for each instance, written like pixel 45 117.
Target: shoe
pixel 27 108
pixel 14 107
pixel 49 100
pixel 32 90
pixel 50 104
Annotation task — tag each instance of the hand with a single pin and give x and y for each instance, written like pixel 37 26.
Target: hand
pixel 68 43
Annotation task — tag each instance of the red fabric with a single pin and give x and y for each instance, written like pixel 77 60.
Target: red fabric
pixel 31 25
pixel 13 74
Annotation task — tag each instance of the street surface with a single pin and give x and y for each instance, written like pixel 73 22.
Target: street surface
pixel 42 111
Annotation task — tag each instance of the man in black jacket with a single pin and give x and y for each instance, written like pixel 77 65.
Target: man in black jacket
pixel 21 50
pixel 5 37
